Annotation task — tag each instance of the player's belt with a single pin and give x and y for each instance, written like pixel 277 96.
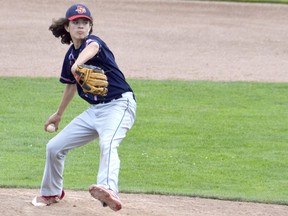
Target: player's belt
pixel 115 98
pixel 108 101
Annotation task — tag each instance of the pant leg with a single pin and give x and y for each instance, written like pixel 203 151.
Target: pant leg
pixel 118 118
pixel 78 132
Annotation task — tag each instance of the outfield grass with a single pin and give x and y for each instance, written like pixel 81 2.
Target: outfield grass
pixel 195 138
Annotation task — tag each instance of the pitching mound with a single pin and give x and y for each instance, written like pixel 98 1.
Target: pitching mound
pixel 75 203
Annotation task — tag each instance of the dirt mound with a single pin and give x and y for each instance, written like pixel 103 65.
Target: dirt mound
pixel 75 203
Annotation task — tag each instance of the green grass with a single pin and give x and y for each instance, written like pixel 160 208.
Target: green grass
pixel 194 138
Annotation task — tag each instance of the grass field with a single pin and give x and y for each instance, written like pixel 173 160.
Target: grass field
pixel 195 138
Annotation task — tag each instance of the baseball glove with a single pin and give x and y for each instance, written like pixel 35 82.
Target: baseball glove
pixel 92 79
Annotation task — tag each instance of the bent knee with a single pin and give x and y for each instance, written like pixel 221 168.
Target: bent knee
pixel 54 150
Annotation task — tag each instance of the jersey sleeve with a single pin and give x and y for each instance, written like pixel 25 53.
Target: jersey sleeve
pixel 92 38
pixel 66 74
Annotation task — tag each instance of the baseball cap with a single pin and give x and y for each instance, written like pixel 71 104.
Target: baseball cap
pixel 78 11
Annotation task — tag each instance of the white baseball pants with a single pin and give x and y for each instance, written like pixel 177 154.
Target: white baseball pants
pixel 109 122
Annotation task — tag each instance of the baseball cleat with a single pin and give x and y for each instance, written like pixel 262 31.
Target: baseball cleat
pixel 40 201
pixel 106 197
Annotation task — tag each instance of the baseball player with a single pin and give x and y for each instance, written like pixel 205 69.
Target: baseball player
pixel 90 69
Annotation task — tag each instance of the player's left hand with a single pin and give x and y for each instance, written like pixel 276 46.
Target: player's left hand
pixel 92 79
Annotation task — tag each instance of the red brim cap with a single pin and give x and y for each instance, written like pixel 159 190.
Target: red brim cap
pixel 78 11
pixel 79 16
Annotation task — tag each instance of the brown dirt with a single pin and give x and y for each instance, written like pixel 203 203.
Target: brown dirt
pixel 17 202
pixel 166 39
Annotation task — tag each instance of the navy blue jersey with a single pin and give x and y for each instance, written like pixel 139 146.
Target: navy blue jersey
pixel 103 59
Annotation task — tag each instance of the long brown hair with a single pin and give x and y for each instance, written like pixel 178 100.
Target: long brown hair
pixel 58 29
